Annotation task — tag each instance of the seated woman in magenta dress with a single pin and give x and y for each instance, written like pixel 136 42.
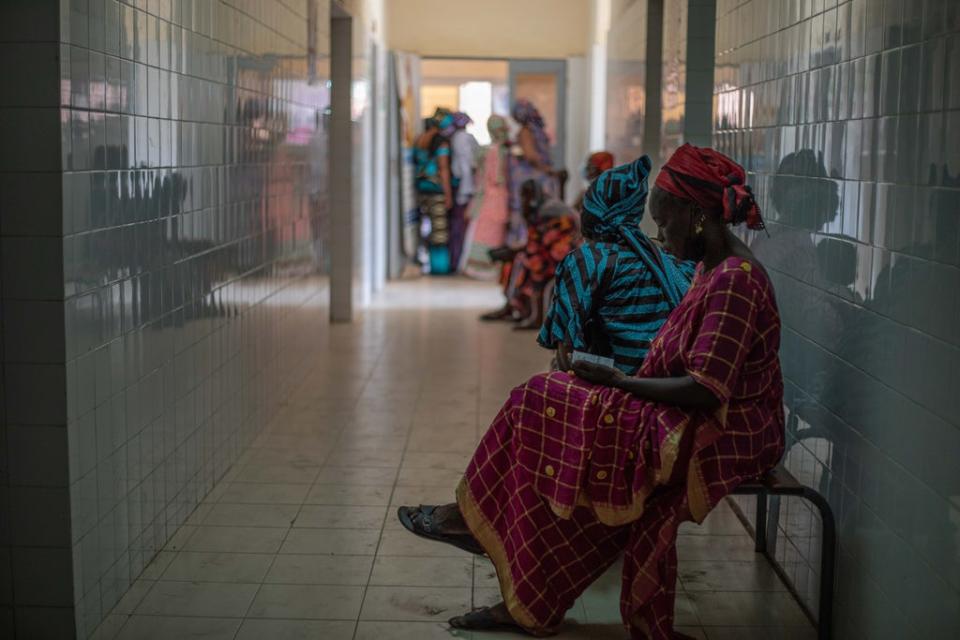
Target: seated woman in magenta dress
pixel 581 467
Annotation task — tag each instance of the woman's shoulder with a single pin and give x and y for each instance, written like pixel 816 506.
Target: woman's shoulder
pixel 741 272
pixel 588 255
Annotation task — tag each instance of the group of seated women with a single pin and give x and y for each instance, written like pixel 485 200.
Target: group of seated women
pixel 590 463
pixel 552 231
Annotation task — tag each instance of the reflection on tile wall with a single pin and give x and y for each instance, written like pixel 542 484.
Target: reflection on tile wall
pixel 673 92
pixel 193 159
pixel 687 68
pixel 626 81
pixel 847 115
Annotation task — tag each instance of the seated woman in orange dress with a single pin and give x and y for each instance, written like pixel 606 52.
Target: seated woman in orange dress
pixel 552 232
pixel 581 467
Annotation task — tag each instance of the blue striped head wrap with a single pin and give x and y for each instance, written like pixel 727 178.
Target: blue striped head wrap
pixel 613 208
pixel 617 198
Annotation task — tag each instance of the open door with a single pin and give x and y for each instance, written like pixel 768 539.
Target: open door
pixel 544 83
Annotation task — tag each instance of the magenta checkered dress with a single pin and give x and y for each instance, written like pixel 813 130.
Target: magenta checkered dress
pixel 570 474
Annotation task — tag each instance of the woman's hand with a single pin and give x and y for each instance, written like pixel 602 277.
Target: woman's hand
pixel 598 373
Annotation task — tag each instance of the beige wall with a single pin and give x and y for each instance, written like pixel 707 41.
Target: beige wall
pixel 489 28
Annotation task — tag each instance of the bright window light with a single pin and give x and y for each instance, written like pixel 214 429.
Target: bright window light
pixel 476 100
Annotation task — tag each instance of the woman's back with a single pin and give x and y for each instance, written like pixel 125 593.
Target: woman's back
pixel 608 302
pixel 429 148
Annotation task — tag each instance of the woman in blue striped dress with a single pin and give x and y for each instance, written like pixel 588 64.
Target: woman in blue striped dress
pixel 614 292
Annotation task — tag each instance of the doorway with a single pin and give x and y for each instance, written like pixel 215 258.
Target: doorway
pixel 485 87
pixel 479 88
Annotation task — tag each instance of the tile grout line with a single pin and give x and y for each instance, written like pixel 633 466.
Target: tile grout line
pixel 291 524
pixel 393 488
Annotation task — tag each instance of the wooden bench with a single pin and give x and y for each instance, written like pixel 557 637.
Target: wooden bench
pixel 780 482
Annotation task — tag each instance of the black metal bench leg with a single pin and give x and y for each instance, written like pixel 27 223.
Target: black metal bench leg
pixel 827 555
pixel 760 526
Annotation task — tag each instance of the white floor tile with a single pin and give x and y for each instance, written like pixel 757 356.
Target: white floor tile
pixel 253 629
pixel 403 571
pixel 198 599
pixel 408 631
pixel 320 569
pixel 237 539
pixel 307 601
pixel 173 628
pixel 264 493
pixel 415 603
pixel 251 515
pixel 348 494
pixel 278 473
pixel 219 567
pixel 354 542
pixel 340 517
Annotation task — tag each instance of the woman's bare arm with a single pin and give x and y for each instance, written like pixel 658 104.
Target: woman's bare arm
pixel 529 148
pixel 443 166
pixel 682 391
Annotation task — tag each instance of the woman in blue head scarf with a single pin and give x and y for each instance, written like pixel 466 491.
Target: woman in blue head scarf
pixel 614 293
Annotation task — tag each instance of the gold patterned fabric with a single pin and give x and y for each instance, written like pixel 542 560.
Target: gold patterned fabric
pixel 570 474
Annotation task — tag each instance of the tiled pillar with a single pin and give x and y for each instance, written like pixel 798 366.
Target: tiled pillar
pixel 342 210
pixel 701 25
pixel 36 574
pixel 687 83
pixel 654 76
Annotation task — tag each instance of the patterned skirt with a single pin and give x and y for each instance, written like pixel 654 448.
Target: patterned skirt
pixel 487 230
pixel 566 480
pixel 433 207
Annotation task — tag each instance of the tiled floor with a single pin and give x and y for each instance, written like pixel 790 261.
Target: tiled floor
pixel 300 539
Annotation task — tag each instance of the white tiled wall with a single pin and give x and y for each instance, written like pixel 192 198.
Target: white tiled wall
pixel 673 93
pixel 192 207
pixel 163 200
pixel 687 74
pixel 627 103
pixel 847 115
pixel 34 484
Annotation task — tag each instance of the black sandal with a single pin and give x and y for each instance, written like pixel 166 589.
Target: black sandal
pixel 498 315
pixel 482 620
pixel 419 521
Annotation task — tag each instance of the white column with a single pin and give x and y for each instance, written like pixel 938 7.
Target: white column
pixel 341 171
pixel 598 74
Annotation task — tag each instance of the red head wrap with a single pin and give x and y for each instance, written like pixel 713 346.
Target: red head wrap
pixel 601 161
pixel 713 181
